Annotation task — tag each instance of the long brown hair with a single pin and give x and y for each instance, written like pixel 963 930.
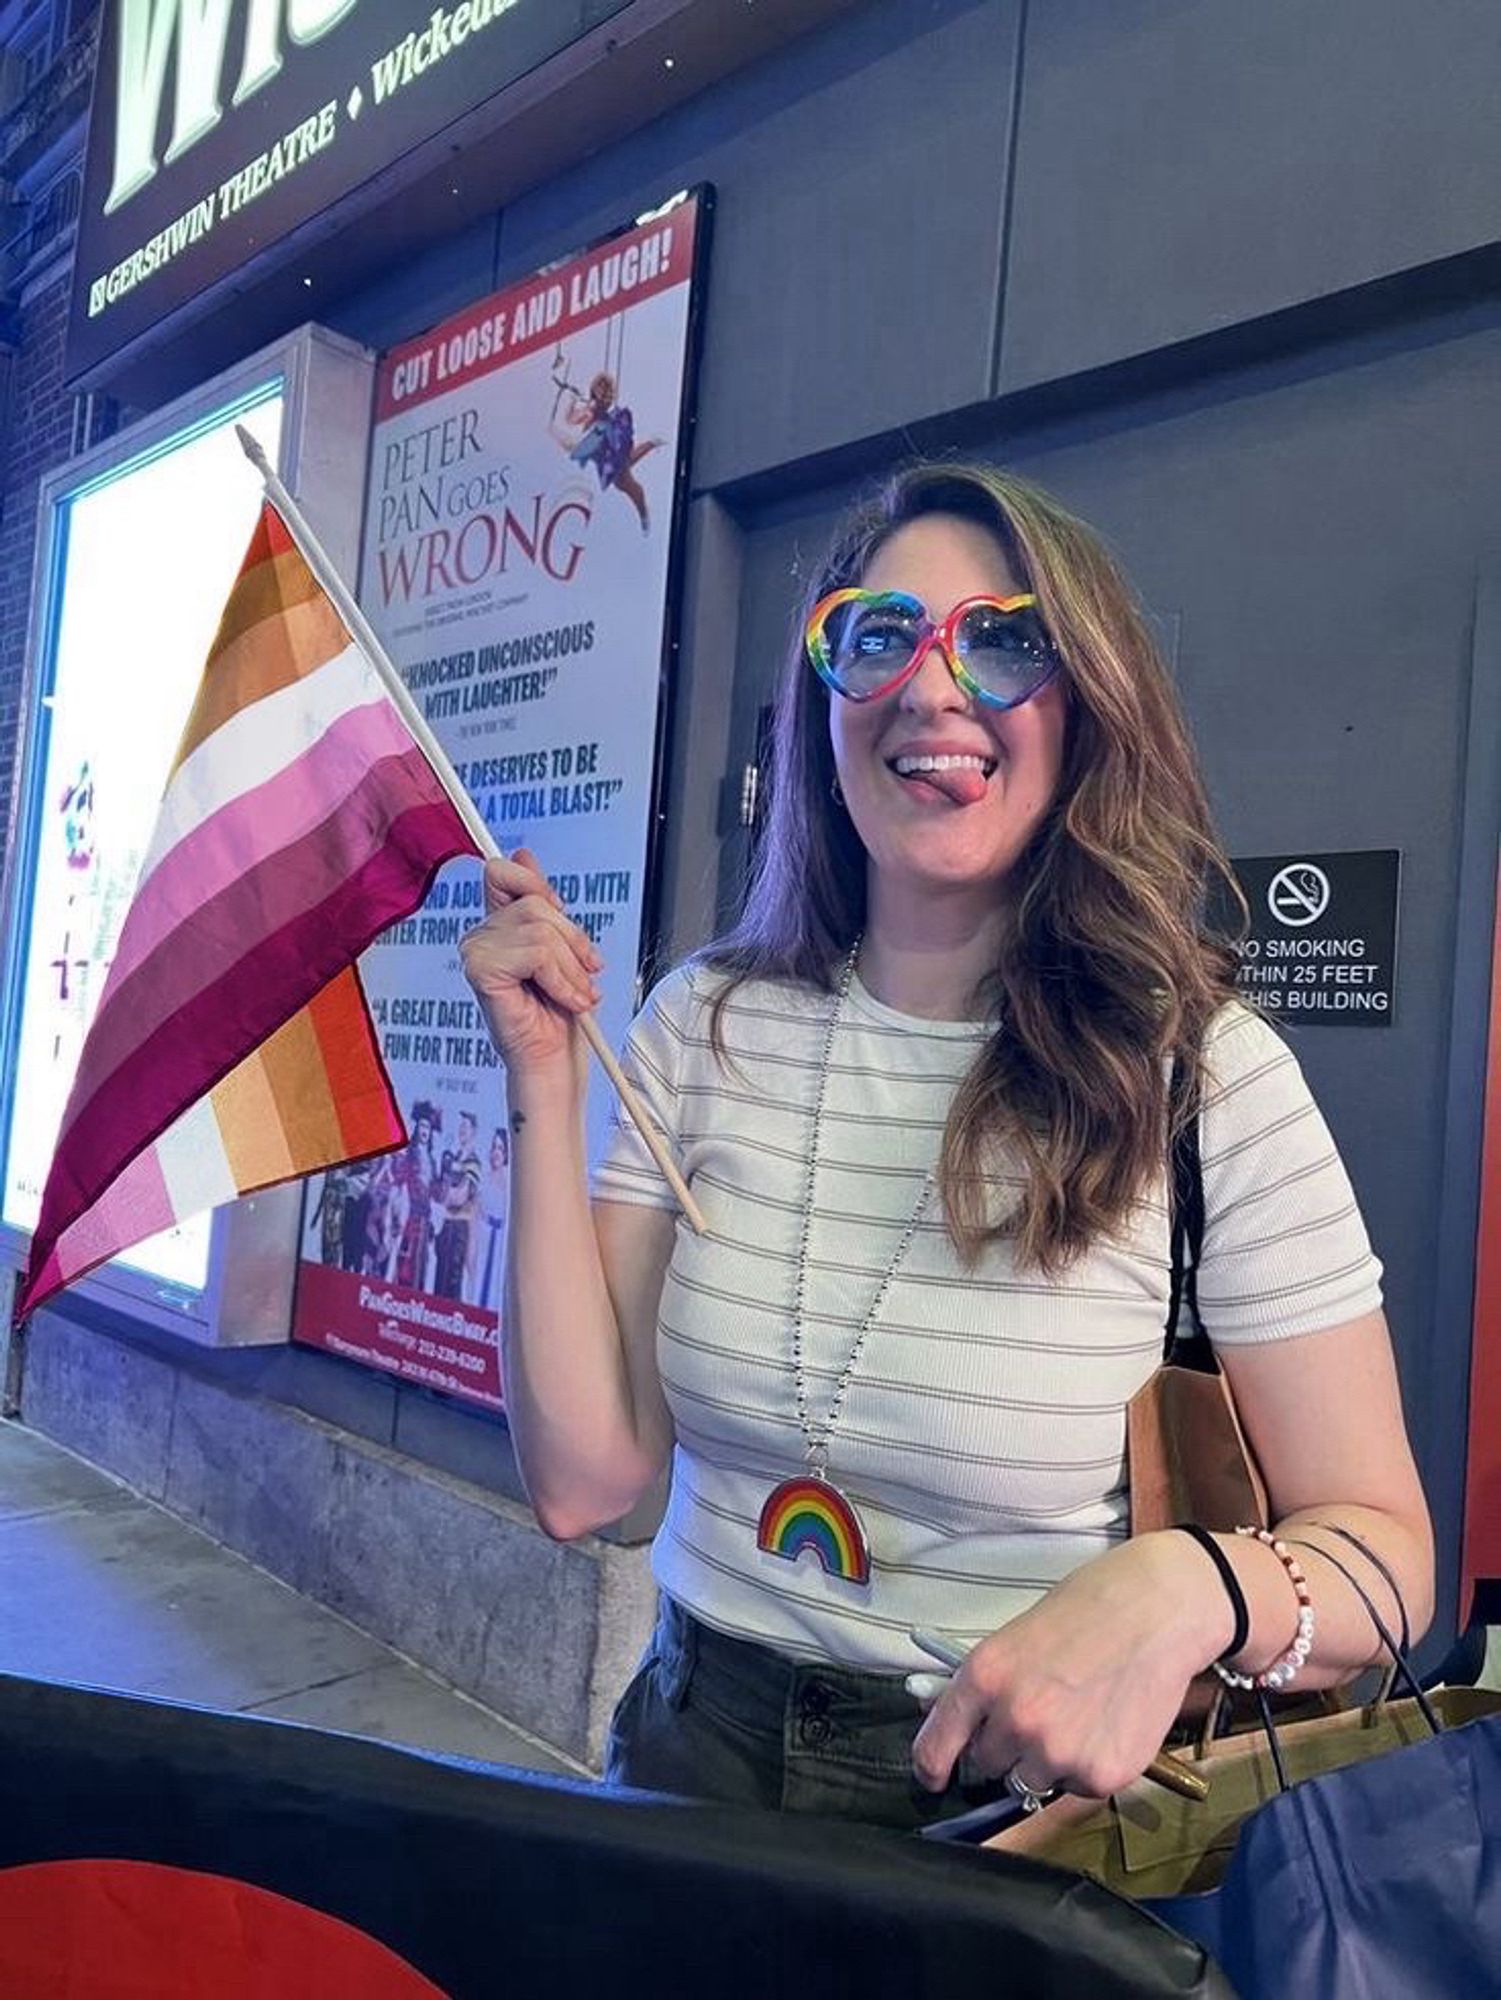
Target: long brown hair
pixel 1107 968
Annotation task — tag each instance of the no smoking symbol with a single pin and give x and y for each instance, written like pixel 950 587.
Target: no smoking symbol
pixel 1298 894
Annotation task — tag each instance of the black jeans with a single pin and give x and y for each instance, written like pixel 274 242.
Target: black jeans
pixel 710 1717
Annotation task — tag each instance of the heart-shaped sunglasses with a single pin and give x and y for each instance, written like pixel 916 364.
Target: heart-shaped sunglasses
pixel 868 643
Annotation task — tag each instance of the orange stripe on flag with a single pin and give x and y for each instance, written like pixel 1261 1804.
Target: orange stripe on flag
pixel 272 535
pixel 313 1094
pixel 250 1127
pixel 299 1084
pixel 369 1115
pixel 263 592
pixel 258 661
pixel 270 538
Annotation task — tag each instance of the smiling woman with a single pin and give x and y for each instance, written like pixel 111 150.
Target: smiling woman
pixel 1066 890
pixel 946 787
pixel 922 1094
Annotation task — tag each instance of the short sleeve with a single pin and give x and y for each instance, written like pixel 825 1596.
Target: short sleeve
pixel 652 1060
pixel 1285 1249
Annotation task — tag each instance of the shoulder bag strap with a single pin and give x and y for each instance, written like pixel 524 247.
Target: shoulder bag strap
pixel 1186 1212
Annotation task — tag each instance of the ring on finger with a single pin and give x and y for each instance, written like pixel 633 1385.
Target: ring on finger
pixel 1032 1799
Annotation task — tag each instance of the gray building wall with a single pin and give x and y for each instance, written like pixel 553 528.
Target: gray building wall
pixel 1226 278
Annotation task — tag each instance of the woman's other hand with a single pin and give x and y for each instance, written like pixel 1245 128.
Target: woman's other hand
pixel 1080 1691
pixel 532 969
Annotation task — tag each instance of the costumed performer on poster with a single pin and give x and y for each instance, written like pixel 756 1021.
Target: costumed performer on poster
pixel 495 1195
pixel 458 1210
pixel 416 1176
pixel 921 1092
pixel 330 1217
pixel 355 1251
pixel 386 1220
pixel 606 440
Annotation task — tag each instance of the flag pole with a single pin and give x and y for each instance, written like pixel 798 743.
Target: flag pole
pixel 359 626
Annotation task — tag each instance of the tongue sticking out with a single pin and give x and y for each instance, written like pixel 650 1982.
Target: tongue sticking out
pixel 962 783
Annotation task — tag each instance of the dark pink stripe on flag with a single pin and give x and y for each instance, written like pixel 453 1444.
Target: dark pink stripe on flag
pixel 188 1052
pixel 40 1284
pixel 233 841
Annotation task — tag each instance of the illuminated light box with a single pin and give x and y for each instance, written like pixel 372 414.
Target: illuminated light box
pixel 138 545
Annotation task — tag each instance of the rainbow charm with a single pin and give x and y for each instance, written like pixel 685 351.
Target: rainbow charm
pixel 809 1513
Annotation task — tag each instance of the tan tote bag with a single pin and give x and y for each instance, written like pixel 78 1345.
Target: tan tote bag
pixel 1187 1458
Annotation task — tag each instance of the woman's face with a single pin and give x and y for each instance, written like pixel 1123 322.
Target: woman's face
pixel 915 830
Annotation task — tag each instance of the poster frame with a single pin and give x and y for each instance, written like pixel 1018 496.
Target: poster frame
pixel 649 953
pixel 651 929
pixel 247 1294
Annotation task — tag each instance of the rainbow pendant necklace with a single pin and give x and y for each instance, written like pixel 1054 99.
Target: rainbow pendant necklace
pixel 808 1511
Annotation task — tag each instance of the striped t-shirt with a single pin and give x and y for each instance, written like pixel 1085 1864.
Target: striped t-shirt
pixel 982 1435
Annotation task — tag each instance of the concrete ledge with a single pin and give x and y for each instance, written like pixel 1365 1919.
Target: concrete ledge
pixel 457 1577
pixel 108 1402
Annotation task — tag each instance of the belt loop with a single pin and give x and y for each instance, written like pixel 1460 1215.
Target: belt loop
pixel 677 1639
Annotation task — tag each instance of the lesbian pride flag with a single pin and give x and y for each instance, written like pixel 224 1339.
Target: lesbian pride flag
pixel 231 1047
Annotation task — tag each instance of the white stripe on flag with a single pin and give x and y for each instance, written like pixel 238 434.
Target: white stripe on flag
pixel 193 1161
pixel 257 742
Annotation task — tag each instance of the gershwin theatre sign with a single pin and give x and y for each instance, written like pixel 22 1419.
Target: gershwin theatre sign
pixel 221 126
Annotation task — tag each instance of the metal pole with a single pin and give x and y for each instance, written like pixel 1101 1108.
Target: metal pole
pixel 344 603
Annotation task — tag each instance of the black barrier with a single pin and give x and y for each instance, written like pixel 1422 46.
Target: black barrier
pixel 492 1881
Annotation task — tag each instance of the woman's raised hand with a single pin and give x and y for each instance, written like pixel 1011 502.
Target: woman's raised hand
pixel 532 969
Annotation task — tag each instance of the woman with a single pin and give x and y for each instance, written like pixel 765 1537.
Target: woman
pixel 921 1093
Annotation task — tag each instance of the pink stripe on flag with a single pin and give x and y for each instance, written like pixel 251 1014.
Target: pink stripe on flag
pixel 206 1037
pixel 258 824
pixel 135 1207
pixel 226 931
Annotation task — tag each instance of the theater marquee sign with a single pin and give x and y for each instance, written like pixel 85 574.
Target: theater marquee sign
pixel 220 126
pixel 252 161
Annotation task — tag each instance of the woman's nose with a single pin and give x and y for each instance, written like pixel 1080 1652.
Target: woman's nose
pixel 933 688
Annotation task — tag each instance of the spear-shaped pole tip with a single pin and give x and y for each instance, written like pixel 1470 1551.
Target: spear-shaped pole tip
pixel 252 450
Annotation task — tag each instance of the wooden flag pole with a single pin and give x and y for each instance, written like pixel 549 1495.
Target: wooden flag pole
pixel 359 626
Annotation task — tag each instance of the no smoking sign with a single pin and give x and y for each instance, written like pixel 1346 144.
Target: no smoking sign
pixel 1322 944
pixel 1299 894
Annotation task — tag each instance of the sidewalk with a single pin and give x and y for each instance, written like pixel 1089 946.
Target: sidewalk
pixel 102 1588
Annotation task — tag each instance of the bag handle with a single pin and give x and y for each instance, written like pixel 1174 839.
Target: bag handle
pixel 1383 1570
pixel 1186 1218
pixel 1402 1665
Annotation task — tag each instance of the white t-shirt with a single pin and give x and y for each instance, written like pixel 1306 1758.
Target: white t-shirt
pixel 982 1436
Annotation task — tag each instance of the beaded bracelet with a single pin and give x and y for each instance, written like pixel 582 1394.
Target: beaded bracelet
pixel 1292 1661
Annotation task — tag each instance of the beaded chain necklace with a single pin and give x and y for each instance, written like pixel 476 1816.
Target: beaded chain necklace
pixel 809 1511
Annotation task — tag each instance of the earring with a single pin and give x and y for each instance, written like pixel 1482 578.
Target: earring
pixel 834 791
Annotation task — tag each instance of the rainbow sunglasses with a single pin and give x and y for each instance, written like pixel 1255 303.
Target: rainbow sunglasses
pixel 867 643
